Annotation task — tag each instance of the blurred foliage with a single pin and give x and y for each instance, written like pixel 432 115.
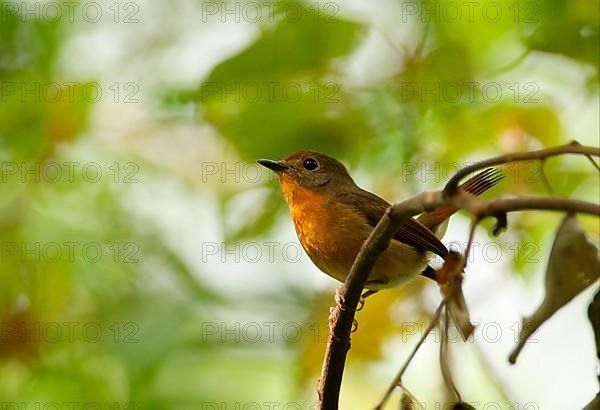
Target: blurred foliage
pixel 375 124
pixel 291 108
pixel 442 106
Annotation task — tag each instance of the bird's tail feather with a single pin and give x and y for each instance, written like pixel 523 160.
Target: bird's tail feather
pixel 475 185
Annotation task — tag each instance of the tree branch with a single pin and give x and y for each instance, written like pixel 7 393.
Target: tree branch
pixel 572 148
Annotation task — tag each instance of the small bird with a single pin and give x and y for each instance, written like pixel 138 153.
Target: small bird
pixel 333 217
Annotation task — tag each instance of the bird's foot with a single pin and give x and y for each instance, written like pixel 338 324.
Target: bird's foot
pixel 361 301
pixel 354 326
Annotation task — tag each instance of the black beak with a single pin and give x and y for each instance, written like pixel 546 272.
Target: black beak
pixel 276 166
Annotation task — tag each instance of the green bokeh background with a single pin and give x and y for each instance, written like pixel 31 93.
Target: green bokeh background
pixel 381 86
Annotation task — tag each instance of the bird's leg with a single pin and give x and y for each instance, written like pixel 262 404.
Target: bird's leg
pixel 334 312
pixel 361 301
pixel 430 273
pixel 369 292
pixel 340 302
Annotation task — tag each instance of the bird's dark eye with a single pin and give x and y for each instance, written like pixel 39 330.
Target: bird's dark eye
pixel 310 164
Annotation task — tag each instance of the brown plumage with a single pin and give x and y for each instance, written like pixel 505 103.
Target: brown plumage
pixel 333 217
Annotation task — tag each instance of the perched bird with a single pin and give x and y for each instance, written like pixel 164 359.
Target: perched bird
pixel 333 217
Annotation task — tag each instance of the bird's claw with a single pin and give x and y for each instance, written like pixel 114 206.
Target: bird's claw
pixel 361 304
pixel 363 297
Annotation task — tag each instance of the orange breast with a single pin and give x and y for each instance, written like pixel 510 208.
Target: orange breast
pixel 332 233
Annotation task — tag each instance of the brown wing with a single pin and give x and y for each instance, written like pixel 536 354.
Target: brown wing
pixel 412 233
pixel 476 185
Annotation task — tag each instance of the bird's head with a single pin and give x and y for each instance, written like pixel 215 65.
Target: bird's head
pixel 311 170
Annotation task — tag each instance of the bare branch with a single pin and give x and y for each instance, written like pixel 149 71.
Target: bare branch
pixel 398 379
pixel 338 342
pixel 474 223
pixel 480 208
pixel 572 148
pixel 545 179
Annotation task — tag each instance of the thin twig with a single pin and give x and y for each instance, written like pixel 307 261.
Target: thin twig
pixel 574 142
pixel 545 179
pixel 499 380
pixel 398 379
pixel 593 162
pixel 409 394
pixel 572 148
pixel 444 365
pixel 421 46
pixel 474 223
pixel 511 65
pixel 481 208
